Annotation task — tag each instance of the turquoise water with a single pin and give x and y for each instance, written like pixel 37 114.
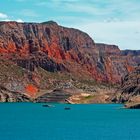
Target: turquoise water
pixel 29 121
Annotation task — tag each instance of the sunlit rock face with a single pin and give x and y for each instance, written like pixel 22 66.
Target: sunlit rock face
pixel 55 48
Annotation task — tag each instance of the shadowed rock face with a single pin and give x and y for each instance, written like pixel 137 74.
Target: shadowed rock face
pixel 134 54
pixel 43 62
pixel 55 48
pixel 131 83
pixel 9 96
pixel 132 105
pixel 129 90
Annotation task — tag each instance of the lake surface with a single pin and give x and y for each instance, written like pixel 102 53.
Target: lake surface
pixel 30 121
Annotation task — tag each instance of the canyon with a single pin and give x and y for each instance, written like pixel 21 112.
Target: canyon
pixel 44 62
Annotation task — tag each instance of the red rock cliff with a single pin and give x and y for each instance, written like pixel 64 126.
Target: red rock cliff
pixel 56 48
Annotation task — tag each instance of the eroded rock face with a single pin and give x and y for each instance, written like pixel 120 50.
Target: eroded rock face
pixel 55 96
pixel 131 82
pixel 37 61
pixel 114 62
pixel 133 54
pixel 56 48
pixel 129 90
pixel 9 96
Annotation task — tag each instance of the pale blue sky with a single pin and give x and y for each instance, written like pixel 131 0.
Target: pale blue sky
pixel 107 21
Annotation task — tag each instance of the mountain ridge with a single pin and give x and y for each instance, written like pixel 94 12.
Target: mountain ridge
pixel 46 52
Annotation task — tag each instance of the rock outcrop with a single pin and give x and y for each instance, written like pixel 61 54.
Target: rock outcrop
pixel 55 96
pixel 131 82
pixel 129 90
pixel 132 105
pixel 10 96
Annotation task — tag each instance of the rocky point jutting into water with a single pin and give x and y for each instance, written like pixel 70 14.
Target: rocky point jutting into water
pixel 130 90
pixel 38 58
